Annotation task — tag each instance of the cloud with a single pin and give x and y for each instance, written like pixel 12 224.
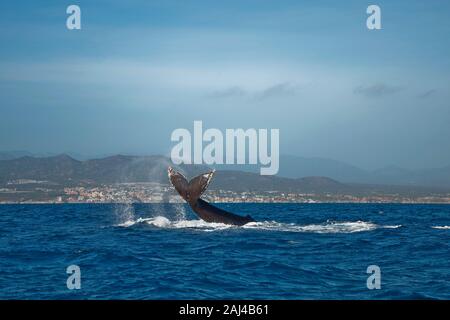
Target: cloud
pixel 278 90
pixel 427 94
pixel 231 92
pixel 377 90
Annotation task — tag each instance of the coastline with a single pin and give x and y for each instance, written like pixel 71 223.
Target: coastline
pixel 228 202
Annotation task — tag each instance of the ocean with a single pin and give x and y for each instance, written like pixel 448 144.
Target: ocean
pixel 162 251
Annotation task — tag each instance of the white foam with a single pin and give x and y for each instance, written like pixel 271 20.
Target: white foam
pixel 163 222
pixel 132 222
pixel 127 223
pixel 328 227
pixel 441 227
pixel 396 226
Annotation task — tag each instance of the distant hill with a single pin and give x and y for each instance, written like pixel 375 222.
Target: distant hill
pixel 9 155
pixel 57 169
pixel 64 169
pixel 298 167
pixel 246 181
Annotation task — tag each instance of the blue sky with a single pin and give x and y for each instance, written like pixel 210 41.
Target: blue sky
pixel 137 70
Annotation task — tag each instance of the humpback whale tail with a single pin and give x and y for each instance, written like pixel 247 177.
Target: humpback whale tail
pixel 190 191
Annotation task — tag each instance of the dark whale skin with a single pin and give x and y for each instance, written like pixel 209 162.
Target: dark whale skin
pixel 210 213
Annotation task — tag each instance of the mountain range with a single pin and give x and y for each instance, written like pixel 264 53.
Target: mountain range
pixel 65 170
pixel 298 167
pixel 295 172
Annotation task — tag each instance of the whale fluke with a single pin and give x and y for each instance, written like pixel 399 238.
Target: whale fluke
pixel 192 191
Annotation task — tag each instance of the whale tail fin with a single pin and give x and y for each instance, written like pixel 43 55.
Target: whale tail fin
pixel 192 190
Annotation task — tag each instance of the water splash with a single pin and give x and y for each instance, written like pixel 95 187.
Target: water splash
pixel 124 213
pixel 328 227
pixel 441 227
pixel 180 212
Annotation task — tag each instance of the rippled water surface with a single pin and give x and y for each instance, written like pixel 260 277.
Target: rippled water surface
pixel 295 251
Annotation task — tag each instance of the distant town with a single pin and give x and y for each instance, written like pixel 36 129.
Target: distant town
pixel 143 179
pixel 33 191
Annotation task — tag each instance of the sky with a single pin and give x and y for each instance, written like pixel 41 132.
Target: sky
pixel 137 70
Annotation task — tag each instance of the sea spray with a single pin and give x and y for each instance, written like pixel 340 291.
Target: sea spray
pixel 180 211
pixel 124 213
pixel 138 171
pixel 200 225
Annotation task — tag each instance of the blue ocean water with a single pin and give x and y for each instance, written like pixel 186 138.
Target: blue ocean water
pixel 297 251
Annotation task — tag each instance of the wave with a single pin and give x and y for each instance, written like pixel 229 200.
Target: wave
pixel 328 227
pixel 441 227
pixel 163 222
